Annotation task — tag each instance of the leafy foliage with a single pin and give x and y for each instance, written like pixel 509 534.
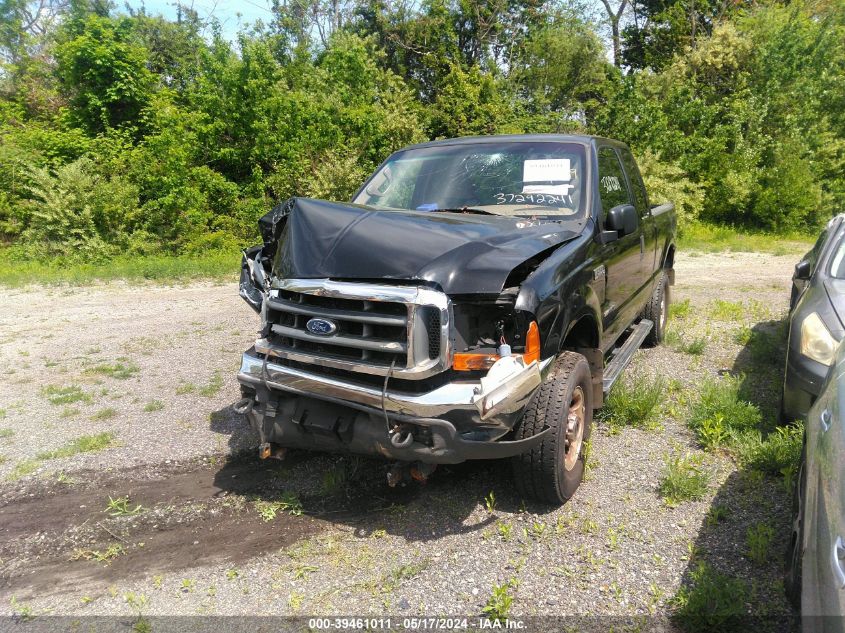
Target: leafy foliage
pixel 126 134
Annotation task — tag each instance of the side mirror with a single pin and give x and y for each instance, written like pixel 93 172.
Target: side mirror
pixel 622 218
pixel 802 269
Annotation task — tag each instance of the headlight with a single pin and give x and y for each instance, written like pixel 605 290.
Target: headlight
pixel 816 341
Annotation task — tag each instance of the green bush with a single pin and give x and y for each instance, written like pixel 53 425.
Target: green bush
pixel 633 401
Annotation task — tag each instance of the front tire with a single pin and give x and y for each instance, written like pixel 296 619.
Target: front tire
pixel 551 472
pixel 657 311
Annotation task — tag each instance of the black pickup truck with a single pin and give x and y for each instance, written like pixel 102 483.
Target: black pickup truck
pixel 475 301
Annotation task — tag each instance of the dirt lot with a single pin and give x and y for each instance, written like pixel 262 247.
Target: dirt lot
pixel 146 376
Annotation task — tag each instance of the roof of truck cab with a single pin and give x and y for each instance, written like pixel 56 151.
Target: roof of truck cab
pixel 583 139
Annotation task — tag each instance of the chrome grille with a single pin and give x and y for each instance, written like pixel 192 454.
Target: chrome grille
pixel 375 327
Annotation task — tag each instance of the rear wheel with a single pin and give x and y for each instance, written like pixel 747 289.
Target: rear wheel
pixel 552 471
pixel 794 553
pixel 657 311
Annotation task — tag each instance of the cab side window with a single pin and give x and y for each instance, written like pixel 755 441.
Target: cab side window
pixel 640 198
pixel 613 188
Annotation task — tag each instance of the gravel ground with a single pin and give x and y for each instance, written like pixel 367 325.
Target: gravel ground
pixel 199 546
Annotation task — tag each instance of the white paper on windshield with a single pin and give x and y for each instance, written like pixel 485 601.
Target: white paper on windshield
pixel 547 175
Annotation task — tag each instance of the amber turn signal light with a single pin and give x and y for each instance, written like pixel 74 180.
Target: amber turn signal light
pixel 475 362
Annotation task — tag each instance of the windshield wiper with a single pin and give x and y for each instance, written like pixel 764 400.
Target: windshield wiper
pixel 463 210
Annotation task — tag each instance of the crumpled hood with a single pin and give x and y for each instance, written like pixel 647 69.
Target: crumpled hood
pixel 462 253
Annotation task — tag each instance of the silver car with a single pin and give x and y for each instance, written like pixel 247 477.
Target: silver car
pixel 815 574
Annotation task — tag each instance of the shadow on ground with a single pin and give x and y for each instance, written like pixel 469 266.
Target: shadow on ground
pixel 734 579
pixel 352 490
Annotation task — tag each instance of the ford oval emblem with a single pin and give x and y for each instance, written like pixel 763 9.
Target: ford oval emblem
pixel 321 327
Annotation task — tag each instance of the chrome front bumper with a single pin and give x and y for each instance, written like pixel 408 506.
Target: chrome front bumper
pixel 455 399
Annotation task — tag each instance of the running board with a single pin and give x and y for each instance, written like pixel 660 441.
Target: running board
pixel 624 354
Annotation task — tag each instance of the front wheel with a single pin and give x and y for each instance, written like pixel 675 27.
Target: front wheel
pixel 552 471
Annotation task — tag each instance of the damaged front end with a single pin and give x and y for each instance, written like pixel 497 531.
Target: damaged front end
pixel 392 367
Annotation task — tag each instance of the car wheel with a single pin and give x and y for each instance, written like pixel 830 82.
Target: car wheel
pixel 551 472
pixel 794 552
pixel 657 311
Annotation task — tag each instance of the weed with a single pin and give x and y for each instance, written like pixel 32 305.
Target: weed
pixel 499 603
pixel 2 413
pixel 538 529
pixel 120 507
pixel 64 478
pixel 105 414
pixel 302 571
pixel 712 432
pixel 188 585
pixel 120 370
pixel 743 335
pixel 633 401
pixel 334 479
pixel 683 480
pixel 295 601
pixel 404 572
pixel 680 309
pixel 214 385
pixel 232 574
pixel 505 530
pixel 695 347
pixel 6 433
pixel 777 454
pixel 759 538
pixel 158 581
pixel 712 602
pixel 715 515
pixel 289 503
pixel 105 557
pixel 490 502
pixel 83 444
pixel 153 405
pixel 65 395
pixel 185 388
pixel 720 398
pixel 612 539
pixel 23 611
pixel 727 310
pixel 69 412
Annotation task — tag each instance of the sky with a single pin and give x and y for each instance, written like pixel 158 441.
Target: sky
pixel 231 13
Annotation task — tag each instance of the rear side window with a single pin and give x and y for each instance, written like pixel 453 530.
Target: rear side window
pixel 640 198
pixel 613 189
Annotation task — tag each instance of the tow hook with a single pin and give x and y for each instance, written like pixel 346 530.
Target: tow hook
pixel 243 406
pixel 401 436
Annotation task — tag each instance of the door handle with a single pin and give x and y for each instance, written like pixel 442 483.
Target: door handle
pixel 825 419
pixel 837 562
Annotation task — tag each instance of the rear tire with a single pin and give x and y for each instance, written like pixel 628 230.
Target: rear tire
pixel 794 554
pixel 551 472
pixel 657 311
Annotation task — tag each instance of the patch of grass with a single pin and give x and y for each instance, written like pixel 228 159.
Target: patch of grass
pixel 105 414
pixel 334 480
pixel 65 395
pixel 153 405
pixel 716 514
pixel 24 468
pixel 633 401
pixel 727 310
pixel 83 444
pixel 712 602
pixel 16 272
pixel 268 510
pixel 69 412
pixel 6 433
pixel 680 309
pixel 396 576
pixel 695 347
pixel 759 540
pixel 767 349
pixel 212 387
pixel 119 507
pixel 2 413
pixel 3 459
pixel 683 479
pixel 720 399
pixel 106 556
pixel 743 335
pixel 778 453
pixel 122 370
pixel 709 238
